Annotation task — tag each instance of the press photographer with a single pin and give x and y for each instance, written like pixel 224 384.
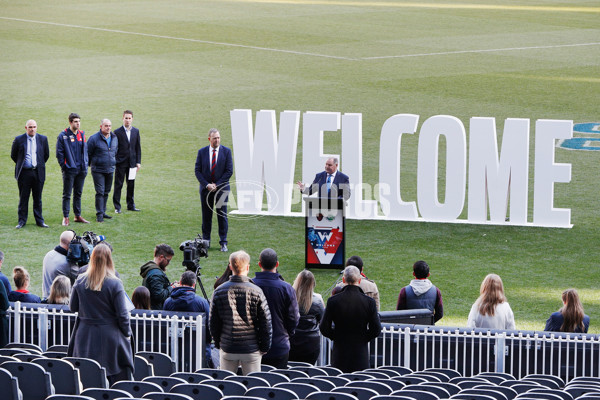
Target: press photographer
pixel 155 278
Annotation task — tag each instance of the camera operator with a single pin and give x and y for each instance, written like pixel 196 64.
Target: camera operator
pixel 155 278
pixel 55 263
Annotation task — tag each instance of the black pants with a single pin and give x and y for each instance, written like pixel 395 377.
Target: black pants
pixel 121 175
pixel 218 201
pixel 73 180
pixel 29 184
pixel 102 184
pixel 277 362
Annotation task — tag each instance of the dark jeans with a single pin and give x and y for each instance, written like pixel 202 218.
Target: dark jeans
pixel 73 181
pixel 277 362
pixel 29 183
pixel 121 175
pixel 102 184
pixel 217 201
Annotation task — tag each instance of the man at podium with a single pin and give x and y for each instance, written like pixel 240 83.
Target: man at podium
pixel 330 183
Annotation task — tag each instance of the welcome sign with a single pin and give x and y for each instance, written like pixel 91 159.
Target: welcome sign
pixel 497 178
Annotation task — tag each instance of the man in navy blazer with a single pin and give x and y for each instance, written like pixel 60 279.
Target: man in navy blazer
pixel 337 187
pixel 129 155
pixel 214 167
pixel 30 152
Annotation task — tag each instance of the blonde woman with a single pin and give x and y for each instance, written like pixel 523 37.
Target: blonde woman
pixel 570 318
pixel 305 345
pixel 60 291
pixel 102 330
pixel 491 310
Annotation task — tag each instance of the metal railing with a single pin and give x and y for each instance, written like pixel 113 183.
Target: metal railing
pixel 180 335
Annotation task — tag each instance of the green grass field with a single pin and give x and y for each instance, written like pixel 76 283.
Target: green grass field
pixel 183 66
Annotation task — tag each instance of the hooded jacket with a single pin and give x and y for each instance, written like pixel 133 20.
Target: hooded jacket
pixel 421 293
pixel 157 283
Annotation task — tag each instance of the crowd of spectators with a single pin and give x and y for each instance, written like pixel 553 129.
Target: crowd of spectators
pixel 252 321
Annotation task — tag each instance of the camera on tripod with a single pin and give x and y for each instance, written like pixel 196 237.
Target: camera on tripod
pixel 81 247
pixel 192 251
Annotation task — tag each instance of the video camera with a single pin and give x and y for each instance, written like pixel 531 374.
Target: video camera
pixel 80 248
pixel 192 251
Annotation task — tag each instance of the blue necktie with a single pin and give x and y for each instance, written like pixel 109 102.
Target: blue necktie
pixel 328 184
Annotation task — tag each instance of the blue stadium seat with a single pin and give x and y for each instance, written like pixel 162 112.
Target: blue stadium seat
pixel 249 381
pixel 310 371
pixel 380 388
pixel 330 396
pixel 228 387
pixel 92 375
pixel 272 377
pixel 191 377
pixel 137 388
pixel 215 373
pixel 301 389
pixel 166 396
pixel 35 383
pixel 198 391
pixel 10 385
pixel 358 392
pixel 338 381
pixel 271 393
pixel 163 364
pixel 142 368
pixel 165 382
pixel 65 377
pixel 105 394
pixel 291 373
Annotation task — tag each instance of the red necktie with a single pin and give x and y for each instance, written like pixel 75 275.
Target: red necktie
pixel 213 164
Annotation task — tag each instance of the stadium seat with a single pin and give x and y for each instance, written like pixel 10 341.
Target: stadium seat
pixel 271 393
pixel 241 398
pixel 331 371
pixel 500 374
pixel 299 364
pixel 7 358
pixel 215 373
pixel 198 391
pixel 432 376
pixel 310 371
pixel 486 392
pixel 137 388
pixel 451 388
pixel 68 397
pixel 54 354
pixel 322 384
pixel 558 392
pixel 91 374
pixel 450 373
pixel 461 396
pixel 330 396
pixel 574 390
pixel 12 351
pixel 166 396
pixel 380 388
pixel 301 389
pixel 509 392
pixel 266 368
pixel 34 382
pixel 389 372
pixel 338 381
pixel 142 368
pixel 416 394
pixel 356 376
pixel 398 369
pixel 525 386
pixel 10 385
pixel 65 377
pixel 559 381
pixel 28 357
pixel 24 346
pixel 63 348
pixel 105 394
pixel 191 377
pixel 427 387
pixel 291 373
pixel 249 381
pixel 410 379
pixel 391 397
pixel 394 385
pixel 162 363
pixel 165 382
pixel 546 382
pixel 539 396
pixel 228 387
pixel 272 377
pixel 359 392
pixel 585 379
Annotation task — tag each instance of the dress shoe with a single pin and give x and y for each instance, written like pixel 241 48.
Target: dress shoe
pixel 224 248
pixel 20 225
pixel 118 211
pixel 106 216
pixel 43 225
pixel 99 219
pixel 65 221
pixel 80 219
pixel 134 208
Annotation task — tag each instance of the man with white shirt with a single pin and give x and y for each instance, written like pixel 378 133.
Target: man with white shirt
pixel 330 183
pixel 129 155
pixel 214 167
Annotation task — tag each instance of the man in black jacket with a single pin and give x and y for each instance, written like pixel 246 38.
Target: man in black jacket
pixel 129 155
pixel 155 278
pixel 351 321
pixel 102 151
pixel 240 319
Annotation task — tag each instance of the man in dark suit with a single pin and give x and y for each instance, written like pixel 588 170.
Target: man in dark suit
pixel 214 167
pixel 330 183
pixel 30 152
pixel 129 155
pixel 351 321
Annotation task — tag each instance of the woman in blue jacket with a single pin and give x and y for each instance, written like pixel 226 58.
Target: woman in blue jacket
pixel 570 318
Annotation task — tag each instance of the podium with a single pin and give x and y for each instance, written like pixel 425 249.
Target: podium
pixel 325 245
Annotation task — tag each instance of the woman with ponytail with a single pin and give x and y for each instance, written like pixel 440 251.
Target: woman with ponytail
pixel 570 318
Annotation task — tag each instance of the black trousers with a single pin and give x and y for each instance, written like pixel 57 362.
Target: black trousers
pixel 29 184
pixel 102 184
pixel 121 175
pixel 214 201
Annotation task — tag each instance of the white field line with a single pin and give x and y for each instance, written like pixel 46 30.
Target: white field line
pixel 301 53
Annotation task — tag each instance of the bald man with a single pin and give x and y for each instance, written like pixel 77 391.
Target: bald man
pixel 55 263
pixel 30 152
pixel 102 151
